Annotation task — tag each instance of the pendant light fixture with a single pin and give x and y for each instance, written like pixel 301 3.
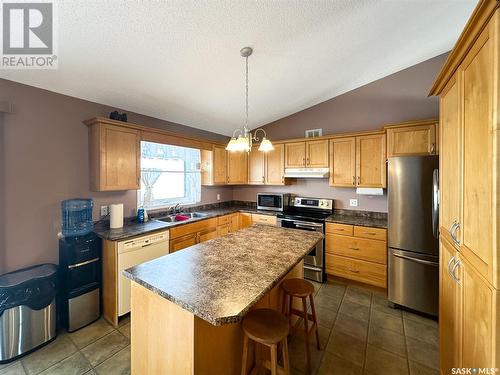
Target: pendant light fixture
pixel 242 139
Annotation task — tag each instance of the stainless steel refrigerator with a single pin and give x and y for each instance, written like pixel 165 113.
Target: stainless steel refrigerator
pixel 413 192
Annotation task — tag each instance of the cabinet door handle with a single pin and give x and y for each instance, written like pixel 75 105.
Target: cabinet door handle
pixel 354 180
pixel 282 179
pixel 307 161
pixel 433 148
pixel 263 179
pixel 359 180
pixel 453 232
pixel 449 265
pixel 354 271
pixel 354 248
pixel 453 275
pixel 304 161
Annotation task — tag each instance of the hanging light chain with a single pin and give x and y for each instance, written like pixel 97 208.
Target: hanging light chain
pixel 246 90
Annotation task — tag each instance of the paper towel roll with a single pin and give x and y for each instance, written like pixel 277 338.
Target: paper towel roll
pixel 116 216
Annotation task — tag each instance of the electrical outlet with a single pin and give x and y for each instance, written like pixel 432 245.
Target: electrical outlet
pixel 218 197
pixel 104 210
pixel 353 202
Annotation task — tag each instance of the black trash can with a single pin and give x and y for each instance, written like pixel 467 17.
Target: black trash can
pixel 28 316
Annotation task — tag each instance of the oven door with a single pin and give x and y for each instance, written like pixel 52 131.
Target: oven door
pixel 314 261
pixel 270 202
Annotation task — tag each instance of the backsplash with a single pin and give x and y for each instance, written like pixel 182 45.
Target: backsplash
pixel 317 188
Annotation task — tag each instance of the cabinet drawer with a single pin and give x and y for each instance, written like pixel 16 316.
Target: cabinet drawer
pixel 263 219
pixel 221 220
pixel 183 242
pixel 371 233
pixel 222 230
pixel 193 227
pixel 336 228
pixel 357 248
pixel 359 270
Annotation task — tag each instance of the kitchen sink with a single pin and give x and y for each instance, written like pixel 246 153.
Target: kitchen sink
pixel 181 217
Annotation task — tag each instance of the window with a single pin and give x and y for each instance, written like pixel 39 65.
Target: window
pixel 169 175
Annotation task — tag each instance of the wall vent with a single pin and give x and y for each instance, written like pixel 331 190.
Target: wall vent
pixel 311 133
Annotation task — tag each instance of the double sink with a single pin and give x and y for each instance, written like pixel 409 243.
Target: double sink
pixel 181 217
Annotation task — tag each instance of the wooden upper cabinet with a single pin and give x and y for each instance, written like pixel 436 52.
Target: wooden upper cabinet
pixel 413 138
pixel 275 165
pixel 237 168
pixel 114 157
pixel 311 154
pixel 478 224
pixel 449 311
pixel 370 161
pixel 256 166
pixel 295 155
pixel 213 166
pixel 343 162
pixel 219 165
pixel 317 154
pixel 450 158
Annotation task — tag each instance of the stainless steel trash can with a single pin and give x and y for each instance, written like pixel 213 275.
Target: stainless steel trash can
pixel 28 316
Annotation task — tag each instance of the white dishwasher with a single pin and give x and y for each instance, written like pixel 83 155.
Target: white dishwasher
pixel 133 252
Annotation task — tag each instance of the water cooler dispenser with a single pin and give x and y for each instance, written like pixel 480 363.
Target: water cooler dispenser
pixel 79 266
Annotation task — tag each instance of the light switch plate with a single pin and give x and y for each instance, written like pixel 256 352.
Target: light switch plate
pixel 353 202
pixel 218 197
pixel 104 210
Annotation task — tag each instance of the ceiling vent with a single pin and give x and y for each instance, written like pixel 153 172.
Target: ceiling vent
pixel 311 133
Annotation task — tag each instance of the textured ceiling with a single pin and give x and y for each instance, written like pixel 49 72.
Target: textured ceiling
pixel 179 60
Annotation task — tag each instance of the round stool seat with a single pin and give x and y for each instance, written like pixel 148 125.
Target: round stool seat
pixel 298 287
pixel 265 326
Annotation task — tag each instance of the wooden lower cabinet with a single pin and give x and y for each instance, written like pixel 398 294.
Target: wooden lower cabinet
pixel 183 242
pixel 449 310
pixel 190 234
pixel 207 234
pixel 480 344
pixel 227 224
pixel 357 253
pixel 358 270
pixel 264 219
pixel 469 314
pixel 245 220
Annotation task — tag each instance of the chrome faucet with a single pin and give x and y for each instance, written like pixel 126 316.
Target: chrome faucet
pixel 177 210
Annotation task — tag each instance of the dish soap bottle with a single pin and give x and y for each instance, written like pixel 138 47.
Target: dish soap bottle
pixel 140 215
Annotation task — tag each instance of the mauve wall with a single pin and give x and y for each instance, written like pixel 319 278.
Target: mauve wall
pixel 45 157
pixel 396 98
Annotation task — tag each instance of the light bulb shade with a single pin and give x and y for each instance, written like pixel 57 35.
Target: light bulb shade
pixel 266 145
pixel 243 143
pixel 232 145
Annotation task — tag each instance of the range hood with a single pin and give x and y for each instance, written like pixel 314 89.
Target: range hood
pixel 307 172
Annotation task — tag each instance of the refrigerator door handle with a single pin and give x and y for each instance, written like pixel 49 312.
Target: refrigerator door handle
pixel 427 262
pixel 435 203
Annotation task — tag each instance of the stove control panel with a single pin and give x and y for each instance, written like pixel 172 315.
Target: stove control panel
pixel 320 204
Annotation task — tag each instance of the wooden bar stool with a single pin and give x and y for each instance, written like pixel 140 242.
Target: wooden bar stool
pixel 302 289
pixel 269 328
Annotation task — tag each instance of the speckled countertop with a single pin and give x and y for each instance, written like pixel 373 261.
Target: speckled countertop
pixel 132 228
pixel 361 218
pixel 221 279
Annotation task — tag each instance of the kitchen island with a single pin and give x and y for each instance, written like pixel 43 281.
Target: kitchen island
pixel 187 306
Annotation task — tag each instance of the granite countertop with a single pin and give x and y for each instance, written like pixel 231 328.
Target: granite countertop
pixel 361 218
pixel 221 279
pixel 133 228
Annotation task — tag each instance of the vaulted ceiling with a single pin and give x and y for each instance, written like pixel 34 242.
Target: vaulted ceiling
pixel 179 60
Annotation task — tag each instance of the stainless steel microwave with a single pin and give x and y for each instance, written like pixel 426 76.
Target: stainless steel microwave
pixel 273 201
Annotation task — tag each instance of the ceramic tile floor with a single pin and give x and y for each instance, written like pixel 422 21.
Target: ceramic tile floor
pixel 95 349
pixel 359 334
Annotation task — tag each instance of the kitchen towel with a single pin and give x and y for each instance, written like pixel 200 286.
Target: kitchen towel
pixel 116 216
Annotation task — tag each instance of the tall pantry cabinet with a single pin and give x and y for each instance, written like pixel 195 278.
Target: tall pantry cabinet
pixel 468 87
